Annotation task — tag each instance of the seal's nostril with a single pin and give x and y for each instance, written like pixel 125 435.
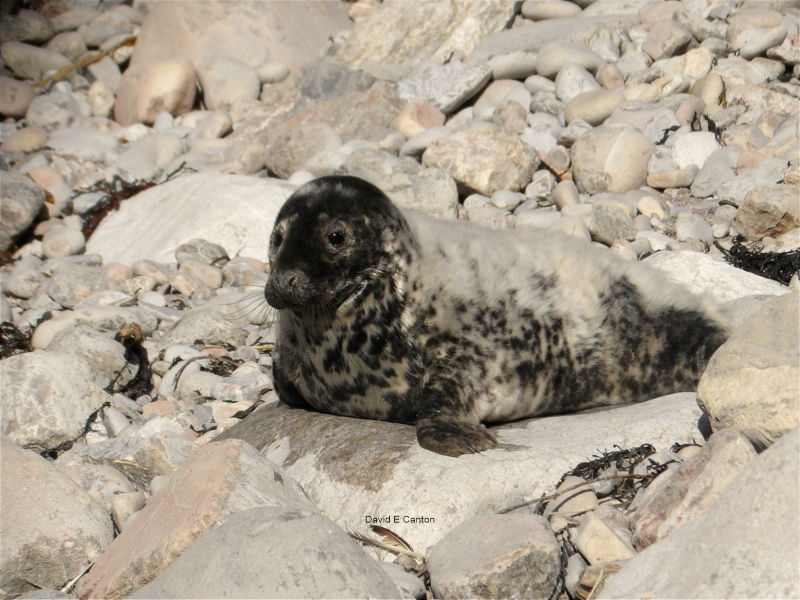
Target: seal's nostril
pixel 292 279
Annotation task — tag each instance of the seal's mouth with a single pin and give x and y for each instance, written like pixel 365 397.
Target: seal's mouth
pixel 305 301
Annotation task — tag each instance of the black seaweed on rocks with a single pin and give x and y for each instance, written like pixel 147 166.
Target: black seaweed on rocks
pixel 779 266
pixel 12 340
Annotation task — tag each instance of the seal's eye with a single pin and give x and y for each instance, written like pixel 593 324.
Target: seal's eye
pixel 336 238
pixel 277 238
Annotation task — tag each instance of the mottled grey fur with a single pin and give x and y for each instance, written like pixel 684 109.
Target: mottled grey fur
pixel 399 316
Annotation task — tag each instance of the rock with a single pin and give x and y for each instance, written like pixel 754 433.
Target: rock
pixel 573 80
pixel 691 226
pixel 608 159
pixel 757 558
pixel 417 117
pixel 84 144
pixel 71 283
pixel 207 323
pixel 594 107
pixel 108 319
pixel 445 87
pixel 70 43
pixel 665 39
pixel 22 200
pixel 704 275
pixel 298 145
pixel 104 26
pixel 256 33
pixel 555 55
pixel 608 223
pixel 104 356
pixel 496 556
pixel 484 160
pixel 571 503
pixel 47 397
pixel 766 172
pixel 687 490
pixel 31 62
pixel 598 543
pixel 538 10
pixel 57 110
pixel 755 41
pixel 719 167
pixel 25 26
pixel 149 226
pixel 167 85
pixel 62 241
pixel 401 34
pixel 226 81
pixel 26 139
pixel 15 97
pixel 221 479
pixel 533 37
pixel 146 158
pixel 47 521
pixel 278 551
pixel 693 148
pixel 516 65
pixel 497 94
pixel 769 210
pixel 752 383
pixel 383 471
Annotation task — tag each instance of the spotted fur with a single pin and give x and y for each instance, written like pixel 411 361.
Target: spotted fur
pixel 398 316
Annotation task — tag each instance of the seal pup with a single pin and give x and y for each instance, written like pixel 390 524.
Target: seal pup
pixel 395 315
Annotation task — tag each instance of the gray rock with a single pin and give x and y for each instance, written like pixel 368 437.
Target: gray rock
pixel 407 583
pixel 47 397
pixel 149 226
pixel 515 65
pixel 752 383
pixel 71 283
pixel 573 80
pixel 106 25
pixel 25 26
pixel 768 171
pixel 57 109
pixel 69 43
pixel 554 56
pixel 719 167
pixel 704 275
pixel 48 522
pixel 279 552
pixel 430 190
pixel 20 202
pixel 105 356
pixel 63 241
pixel 513 555
pixel 108 319
pixel 665 39
pixel 219 481
pixel 446 86
pixel 532 37
pixel 206 323
pixel 31 62
pixel 382 470
pixel 201 251
pixel 608 223
pixel 691 226
pixel 757 558
pixel 145 159
pixel 227 81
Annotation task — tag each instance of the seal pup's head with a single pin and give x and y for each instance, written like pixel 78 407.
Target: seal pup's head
pixel 332 238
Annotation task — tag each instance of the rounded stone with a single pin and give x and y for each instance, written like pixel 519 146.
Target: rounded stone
pixel 27 139
pixel 63 241
pixel 593 107
pixel 610 159
pixel 15 97
pixel 557 54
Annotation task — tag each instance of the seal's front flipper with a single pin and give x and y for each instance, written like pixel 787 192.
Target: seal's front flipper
pixel 454 438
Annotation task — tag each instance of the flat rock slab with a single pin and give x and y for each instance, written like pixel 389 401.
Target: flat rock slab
pixel 234 211
pixel 358 472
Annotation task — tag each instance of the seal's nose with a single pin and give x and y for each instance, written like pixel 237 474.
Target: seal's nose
pixel 287 289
